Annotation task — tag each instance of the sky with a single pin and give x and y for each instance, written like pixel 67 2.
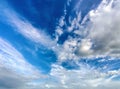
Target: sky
pixel 65 44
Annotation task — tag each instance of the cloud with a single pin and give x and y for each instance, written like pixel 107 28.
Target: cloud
pixel 32 33
pixel 13 66
pixel 10 79
pixel 11 58
pixel 96 36
pixel 83 78
pixel 24 27
pixel 103 31
pixel 94 40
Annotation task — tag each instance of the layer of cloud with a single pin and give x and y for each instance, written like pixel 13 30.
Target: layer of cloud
pixel 11 58
pixel 83 78
pixel 10 79
pixel 15 71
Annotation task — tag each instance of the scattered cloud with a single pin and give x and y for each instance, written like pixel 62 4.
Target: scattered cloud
pixel 83 78
pixel 99 38
pixel 97 35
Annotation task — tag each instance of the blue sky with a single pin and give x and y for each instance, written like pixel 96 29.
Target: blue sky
pixel 44 43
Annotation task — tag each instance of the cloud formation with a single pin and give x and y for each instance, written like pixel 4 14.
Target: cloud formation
pixel 83 78
pixel 100 37
pixel 97 35
pixel 11 58
pixel 104 30
pixel 24 27
pixel 10 79
pixel 13 66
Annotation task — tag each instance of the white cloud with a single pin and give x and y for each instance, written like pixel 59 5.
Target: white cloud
pixel 104 30
pixel 84 47
pixel 83 78
pixel 32 33
pixel 67 50
pixel 13 66
pixel 96 42
pixel 24 27
pixel 99 37
pixel 11 58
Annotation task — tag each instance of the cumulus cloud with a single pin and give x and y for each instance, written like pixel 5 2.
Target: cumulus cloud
pixel 97 38
pixel 97 35
pixel 105 29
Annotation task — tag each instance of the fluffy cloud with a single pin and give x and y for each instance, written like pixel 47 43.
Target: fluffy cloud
pixel 99 38
pixel 97 35
pixel 105 29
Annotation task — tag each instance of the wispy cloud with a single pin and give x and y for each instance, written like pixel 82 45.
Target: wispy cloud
pixel 13 66
pixel 25 28
pixel 99 38
pixel 11 58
